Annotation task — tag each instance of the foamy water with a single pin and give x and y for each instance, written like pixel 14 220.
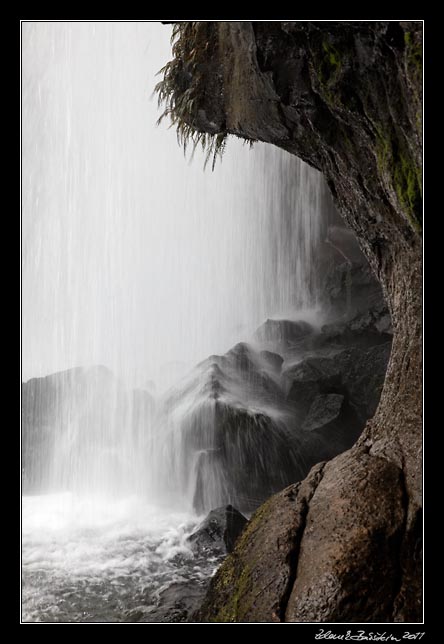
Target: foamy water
pixel 96 560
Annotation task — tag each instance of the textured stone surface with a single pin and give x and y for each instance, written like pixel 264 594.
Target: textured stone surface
pixel 218 532
pixel 325 409
pixel 364 377
pixel 254 582
pixel 358 509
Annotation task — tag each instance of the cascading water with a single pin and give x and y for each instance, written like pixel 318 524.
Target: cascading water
pixel 137 260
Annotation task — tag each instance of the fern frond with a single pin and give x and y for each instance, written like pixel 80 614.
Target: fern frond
pixel 190 42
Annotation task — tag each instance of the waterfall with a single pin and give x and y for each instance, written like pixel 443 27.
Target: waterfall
pixel 138 260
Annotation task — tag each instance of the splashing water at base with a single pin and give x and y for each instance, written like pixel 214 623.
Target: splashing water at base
pixel 89 559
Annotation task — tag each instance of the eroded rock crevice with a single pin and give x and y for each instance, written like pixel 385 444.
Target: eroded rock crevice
pixel 255 582
pixel 348 561
pixel 293 555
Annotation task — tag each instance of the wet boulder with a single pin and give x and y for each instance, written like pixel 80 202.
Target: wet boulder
pixel 310 377
pixel 218 532
pixel 273 360
pixel 364 330
pixel 282 331
pixel 324 411
pixel 241 455
pixel 356 372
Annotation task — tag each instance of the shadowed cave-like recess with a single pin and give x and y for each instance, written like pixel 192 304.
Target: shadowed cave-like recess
pixel 346 98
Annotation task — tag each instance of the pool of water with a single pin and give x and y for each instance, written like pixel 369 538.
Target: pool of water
pixel 93 560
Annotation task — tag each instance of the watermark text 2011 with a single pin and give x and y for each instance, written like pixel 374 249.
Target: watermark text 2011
pixel 370 636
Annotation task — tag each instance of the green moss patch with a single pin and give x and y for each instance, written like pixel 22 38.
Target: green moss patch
pixel 414 51
pixel 328 70
pixel 330 66
pixel 405 177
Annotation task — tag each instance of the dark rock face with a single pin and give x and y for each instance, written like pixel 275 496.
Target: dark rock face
pixel 360 508
pixel 282 331
pixel 345 97
pixel 358 373
pixel 218 532
pixel 324 411
pixel 251 454
pixel 253 421
pixel 310 377
pixel 175 604
pixel 178 602
pixel 304 383
pixel 367 328
pixel 364 377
